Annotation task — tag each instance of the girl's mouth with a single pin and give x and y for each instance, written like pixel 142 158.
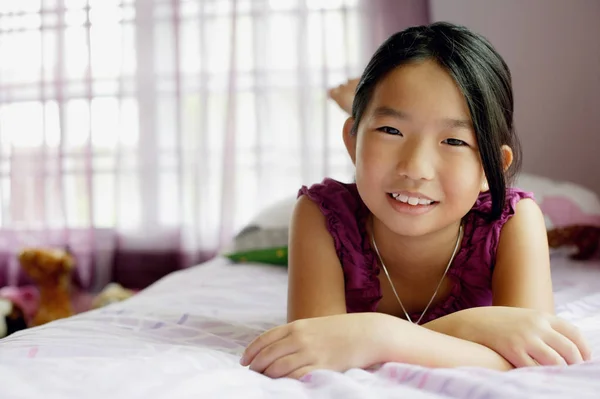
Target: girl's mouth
pixel 412 200
pixel 411 205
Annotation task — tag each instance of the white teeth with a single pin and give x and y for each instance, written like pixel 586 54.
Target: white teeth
pixel 411 200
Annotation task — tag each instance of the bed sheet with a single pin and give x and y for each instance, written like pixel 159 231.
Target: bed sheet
pixel 182 338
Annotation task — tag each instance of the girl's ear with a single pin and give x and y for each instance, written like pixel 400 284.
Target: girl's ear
pixel 484 185
pixel 350 139
pixel 507 157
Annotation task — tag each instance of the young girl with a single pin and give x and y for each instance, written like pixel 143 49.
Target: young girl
pixel 428 258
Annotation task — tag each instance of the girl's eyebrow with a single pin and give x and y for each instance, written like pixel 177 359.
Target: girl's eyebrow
pixel 448 123
pixel 383 111
pixel 451 123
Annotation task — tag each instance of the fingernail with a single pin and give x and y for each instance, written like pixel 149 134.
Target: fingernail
pixel 243 360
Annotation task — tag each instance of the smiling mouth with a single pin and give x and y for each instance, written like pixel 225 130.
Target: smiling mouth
pixel 414 201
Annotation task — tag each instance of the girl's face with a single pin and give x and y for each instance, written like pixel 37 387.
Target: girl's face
pixel 418 167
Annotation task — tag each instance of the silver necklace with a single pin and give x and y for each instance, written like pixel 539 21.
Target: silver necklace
pixel 460 232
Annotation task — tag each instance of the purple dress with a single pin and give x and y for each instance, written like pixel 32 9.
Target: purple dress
pixel 471 271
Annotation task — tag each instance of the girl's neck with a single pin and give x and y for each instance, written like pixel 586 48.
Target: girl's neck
pixel 415 258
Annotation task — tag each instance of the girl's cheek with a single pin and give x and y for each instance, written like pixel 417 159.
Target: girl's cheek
pixel 372 155
pixel 462 178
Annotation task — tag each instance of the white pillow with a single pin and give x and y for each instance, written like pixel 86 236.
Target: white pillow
pixel 275 215
pixel 267 230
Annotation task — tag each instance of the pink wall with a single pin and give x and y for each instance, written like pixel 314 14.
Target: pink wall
pixel 553 50
pixel 386 17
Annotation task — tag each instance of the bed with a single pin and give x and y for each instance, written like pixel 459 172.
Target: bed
pixel 182 338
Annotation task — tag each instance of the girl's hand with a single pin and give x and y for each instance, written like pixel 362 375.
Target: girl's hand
pixel 525 337
pixel 339 342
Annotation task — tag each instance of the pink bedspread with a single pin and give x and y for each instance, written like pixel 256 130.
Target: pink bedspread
pixel 182 337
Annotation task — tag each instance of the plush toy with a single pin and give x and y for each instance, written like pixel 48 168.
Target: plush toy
pixel 11 318
pixel 586 240
pixel 50 269
pixel 112 293
pixel 17 308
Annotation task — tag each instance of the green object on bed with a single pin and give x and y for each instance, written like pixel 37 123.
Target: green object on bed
pixel 273 256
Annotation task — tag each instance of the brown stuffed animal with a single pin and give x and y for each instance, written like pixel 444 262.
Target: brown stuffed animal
pixel 585 238
pixel 50 269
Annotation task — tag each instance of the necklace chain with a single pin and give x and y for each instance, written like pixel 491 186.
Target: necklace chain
pixel 458 239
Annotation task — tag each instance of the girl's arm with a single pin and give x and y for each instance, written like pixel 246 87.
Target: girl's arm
pixel 316 289
pixel 520 325
pixel 428 348
pixel 315 276
pixel 359 340
pixel 522 271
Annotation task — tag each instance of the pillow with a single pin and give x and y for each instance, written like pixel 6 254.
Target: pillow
pixel 563 203
pixel 272 256
pixel 265 238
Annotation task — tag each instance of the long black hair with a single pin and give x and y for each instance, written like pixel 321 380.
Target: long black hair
pixel 480 73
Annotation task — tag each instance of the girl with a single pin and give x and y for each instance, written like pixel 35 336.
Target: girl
pixel 428 258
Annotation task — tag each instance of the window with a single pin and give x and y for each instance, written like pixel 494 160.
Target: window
pixel 167 113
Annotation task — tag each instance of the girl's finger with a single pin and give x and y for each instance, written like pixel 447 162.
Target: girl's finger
pixel 545 355
pixel 565 347
pixel 573 333
pixel 286 365
pixel 521 359
pixel 300 372
pixel 262 341
pixel 272 353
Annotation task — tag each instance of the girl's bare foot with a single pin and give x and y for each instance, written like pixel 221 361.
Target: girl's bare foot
pixel 343 94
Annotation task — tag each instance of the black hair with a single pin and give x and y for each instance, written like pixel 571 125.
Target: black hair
pixel 480 73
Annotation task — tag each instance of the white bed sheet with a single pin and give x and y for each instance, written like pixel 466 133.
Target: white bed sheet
pixel 182 338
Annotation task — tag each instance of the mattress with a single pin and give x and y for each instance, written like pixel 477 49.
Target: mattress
pixel 183 336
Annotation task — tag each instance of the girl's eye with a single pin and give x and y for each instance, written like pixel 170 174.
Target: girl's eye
pixel 390 130
pixel 455 142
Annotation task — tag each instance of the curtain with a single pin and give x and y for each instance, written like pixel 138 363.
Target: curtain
pixel 141 135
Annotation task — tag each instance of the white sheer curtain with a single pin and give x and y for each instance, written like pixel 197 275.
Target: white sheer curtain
pixel 162 126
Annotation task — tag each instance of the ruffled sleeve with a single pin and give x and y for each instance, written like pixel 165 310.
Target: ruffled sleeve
pixel 488 233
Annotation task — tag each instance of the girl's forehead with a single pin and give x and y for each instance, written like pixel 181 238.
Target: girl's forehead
pixel 419 87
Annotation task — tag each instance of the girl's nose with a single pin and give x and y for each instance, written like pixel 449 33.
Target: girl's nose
pixel 415 162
